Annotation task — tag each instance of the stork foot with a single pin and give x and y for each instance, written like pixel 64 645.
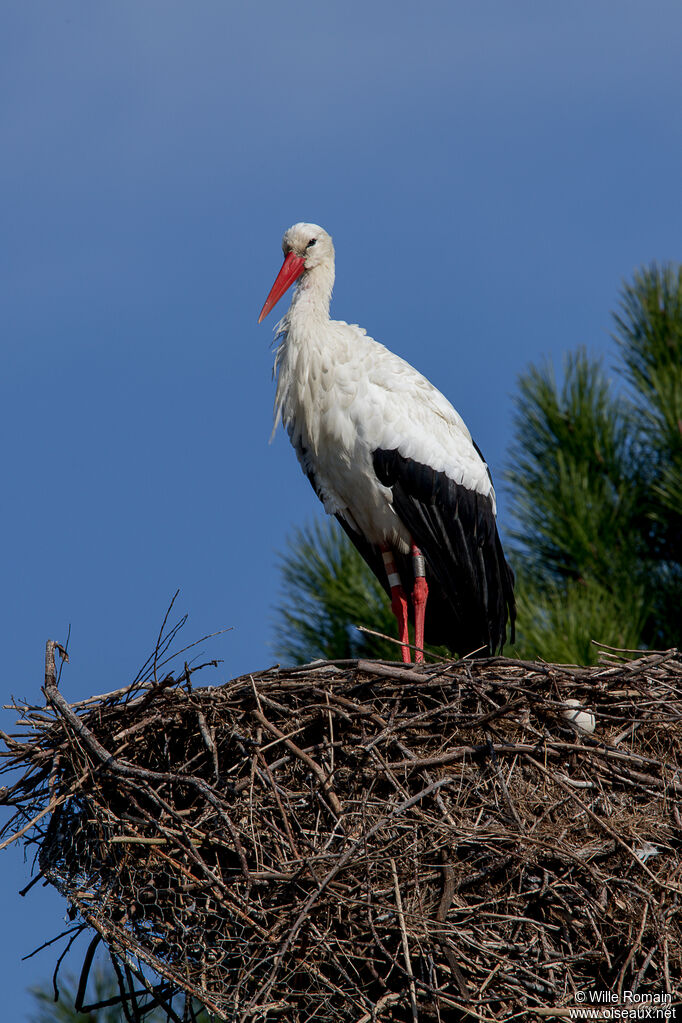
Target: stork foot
pixel 398 603
pixel 399 608
pixel 419 596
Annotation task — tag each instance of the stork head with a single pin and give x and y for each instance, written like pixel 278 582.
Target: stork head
pixel 305 246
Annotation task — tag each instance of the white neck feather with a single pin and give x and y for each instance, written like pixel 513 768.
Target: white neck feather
pixel 303 330
pixel 310 304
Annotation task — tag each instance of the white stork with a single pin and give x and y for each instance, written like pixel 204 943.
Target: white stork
pixel 390 457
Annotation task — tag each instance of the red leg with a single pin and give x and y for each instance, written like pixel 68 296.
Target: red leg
pixel 419 595
pixel 398 602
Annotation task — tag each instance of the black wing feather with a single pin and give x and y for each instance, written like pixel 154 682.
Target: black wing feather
pixel 455 529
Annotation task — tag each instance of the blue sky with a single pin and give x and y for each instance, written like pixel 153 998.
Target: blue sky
pixel 490 172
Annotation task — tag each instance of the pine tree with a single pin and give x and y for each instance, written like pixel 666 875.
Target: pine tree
pixel 649 337
pixel 596 483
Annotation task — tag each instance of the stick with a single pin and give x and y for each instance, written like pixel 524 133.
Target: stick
pixel 406 944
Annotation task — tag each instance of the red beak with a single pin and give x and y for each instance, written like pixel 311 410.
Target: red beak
pixel 292 268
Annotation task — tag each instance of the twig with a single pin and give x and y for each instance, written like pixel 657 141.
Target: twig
pixel 406 944
pixel 631 954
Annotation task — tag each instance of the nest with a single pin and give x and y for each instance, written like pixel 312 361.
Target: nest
pixel 363 841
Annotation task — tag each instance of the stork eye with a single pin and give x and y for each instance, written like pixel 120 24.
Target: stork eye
pixel 311 242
